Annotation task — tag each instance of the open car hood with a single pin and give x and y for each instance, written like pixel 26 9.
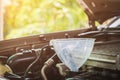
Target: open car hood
pixel 101 10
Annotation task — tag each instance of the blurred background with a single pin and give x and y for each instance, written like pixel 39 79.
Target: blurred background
pixel 32 17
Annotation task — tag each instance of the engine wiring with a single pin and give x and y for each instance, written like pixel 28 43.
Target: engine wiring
pixel 38 54
pixel 48 63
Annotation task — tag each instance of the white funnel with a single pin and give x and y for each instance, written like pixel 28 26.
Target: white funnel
pixel 73 52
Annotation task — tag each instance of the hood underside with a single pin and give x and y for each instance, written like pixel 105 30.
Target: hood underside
pixel 101 10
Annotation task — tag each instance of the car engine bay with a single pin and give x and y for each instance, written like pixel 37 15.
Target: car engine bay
pixel 33 58
pixel 27 61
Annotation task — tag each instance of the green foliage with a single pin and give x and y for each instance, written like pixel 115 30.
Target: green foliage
pixel 30 17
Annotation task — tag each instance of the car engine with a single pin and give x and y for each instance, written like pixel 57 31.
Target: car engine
pixel 33 58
